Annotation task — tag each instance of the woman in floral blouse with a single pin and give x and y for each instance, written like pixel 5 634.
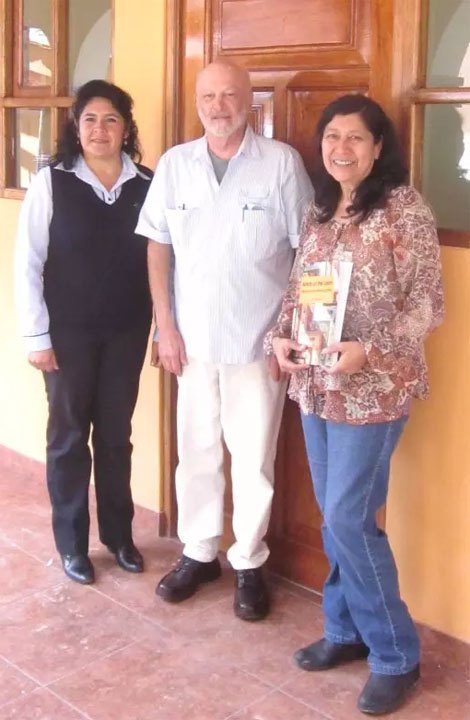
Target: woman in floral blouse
pixel 354 412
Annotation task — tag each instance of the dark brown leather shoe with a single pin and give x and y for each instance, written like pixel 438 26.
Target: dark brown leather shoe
pixel 251 595
pixel 183 581
pixel 385 693
pixel 78 568
pixel 324 655
pixel 128 558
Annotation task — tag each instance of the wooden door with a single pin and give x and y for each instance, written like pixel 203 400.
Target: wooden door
pixel 301 54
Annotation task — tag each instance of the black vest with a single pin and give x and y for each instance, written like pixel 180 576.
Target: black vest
pixel 95 276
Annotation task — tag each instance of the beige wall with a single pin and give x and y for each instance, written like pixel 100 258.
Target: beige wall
pixel 23 412
pixel 139 61
pixel 428 513
pixel 139 68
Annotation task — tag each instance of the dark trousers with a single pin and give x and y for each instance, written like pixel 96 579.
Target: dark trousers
pixel 95 387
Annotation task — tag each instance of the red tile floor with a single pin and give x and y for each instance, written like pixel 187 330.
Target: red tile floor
pixel 113 651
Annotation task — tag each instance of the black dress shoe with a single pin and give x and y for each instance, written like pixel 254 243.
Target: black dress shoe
pixel 385 693
pixel 324 655
pixel 251 595
pixel 78 568
pixel 129 558
pixel 183 581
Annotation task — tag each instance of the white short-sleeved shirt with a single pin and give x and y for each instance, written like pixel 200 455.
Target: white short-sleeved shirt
pixel 233 243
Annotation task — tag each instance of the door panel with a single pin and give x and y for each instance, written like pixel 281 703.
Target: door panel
pixel 248 24
pixel 289 33
pixel 301 54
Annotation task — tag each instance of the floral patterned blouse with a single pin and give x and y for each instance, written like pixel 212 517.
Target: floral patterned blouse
pixel 395 300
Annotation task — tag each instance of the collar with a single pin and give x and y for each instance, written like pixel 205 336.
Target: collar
pixel 249 146
pixel 83 172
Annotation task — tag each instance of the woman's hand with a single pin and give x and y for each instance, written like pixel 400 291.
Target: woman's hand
pixel 44 360
pixel 352 358
pixel 282 349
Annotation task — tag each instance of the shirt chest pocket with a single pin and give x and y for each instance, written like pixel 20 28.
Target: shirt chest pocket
pixel 182 223
pixel 260 225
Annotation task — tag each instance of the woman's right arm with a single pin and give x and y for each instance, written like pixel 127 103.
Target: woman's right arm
pixel 32 243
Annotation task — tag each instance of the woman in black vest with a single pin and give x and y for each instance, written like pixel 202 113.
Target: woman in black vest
pixel 85 311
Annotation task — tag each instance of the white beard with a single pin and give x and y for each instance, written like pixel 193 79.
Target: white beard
pixel 227 128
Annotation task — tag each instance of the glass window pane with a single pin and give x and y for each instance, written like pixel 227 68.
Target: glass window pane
pixel 446 164
pixel 37 50
pixel 89 41
pixel 448 43
pixel 31 143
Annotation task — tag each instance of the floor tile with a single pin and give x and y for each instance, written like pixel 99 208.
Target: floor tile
pixel 40 705
pixel 277 706
pixel 22 574
pixel 55 632
pixel 27 524
pixel 441 651
pixel 264 649
pixel 333 693
pixel 140 684
pixel 115 651
pixel 22 487
pixel 14 685
pixel 138 591
pixel 439 695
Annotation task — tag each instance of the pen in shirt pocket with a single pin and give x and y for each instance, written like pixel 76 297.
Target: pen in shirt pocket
pixel 251 207
pixel 182 207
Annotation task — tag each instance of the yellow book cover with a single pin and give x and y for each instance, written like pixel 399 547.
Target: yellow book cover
pixel 318 316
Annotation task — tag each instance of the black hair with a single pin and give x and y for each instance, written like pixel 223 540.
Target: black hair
pixel 388 172
pixel 68 144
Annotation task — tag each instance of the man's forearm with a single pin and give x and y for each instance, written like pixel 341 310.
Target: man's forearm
pixel 159 263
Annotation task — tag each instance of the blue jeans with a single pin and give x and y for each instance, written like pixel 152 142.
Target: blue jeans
pixel 350 465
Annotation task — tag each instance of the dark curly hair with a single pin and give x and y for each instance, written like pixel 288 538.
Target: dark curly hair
pixel 68 144
pixel 388 171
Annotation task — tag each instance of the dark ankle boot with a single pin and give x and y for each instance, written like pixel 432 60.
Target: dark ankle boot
pixel 324 655
pixel 385 693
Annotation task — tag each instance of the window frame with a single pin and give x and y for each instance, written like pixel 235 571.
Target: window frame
pixel 414 15
pixel 13 95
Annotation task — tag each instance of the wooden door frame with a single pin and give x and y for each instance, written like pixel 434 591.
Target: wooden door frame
pixel 403 37
pixel 167 382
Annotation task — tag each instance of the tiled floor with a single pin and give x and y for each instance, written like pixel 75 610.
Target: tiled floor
pixel 113 651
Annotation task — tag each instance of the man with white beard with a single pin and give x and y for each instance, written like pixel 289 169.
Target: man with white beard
pixel 229 206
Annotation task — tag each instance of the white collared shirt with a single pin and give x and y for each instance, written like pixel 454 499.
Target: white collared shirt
pixel 233 242
pixel 32 244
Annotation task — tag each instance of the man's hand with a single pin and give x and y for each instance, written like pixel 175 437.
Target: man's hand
pixel 274 370
pixel 352 358
pixel 171 350
pixel 282 349
pixel 43 360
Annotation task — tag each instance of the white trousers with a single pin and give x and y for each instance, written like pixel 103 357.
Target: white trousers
pixel 242 404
